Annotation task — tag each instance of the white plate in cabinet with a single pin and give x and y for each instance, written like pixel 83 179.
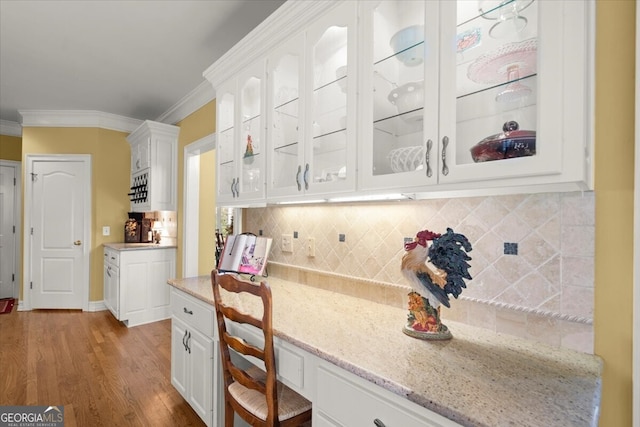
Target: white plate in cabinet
pixel 366 405
pixel 440 77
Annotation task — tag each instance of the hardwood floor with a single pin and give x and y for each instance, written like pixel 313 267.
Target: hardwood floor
pixel 103 373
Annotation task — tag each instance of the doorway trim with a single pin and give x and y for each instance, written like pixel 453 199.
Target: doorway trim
pixel 17 212
pixel 191 202
pixel 28 194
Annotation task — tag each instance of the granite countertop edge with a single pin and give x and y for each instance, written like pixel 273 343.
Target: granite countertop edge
pixel 479 378
pixel 137 246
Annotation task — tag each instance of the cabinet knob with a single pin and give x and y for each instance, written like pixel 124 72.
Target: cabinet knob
pixel 77 243
pixel 378 423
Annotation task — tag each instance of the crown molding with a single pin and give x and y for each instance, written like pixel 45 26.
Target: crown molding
pixel 10 128
pixel 190 103
pixel 77 118
pixel 289 19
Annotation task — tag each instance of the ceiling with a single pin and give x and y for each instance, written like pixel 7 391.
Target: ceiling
pixel 131 58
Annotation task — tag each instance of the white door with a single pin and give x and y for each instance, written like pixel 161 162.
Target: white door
pixel 60 190
pixel 7 231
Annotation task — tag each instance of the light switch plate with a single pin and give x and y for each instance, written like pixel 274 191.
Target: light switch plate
pixel 287 243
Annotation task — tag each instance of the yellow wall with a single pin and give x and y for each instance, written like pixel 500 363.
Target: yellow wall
pixel 207 216
pixel 10 148
pixel 194 127
pixel 110 165
pixel 614 168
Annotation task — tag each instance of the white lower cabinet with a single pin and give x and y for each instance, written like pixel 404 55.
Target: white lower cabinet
pixel 366 405
pixel 135 284
pixel 194 353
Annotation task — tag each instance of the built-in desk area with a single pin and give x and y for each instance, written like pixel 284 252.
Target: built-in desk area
pixel 331 345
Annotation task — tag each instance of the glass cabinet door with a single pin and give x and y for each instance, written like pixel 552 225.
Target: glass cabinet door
pixel 491 98
pixel 285 130
pixel 330 119
pixel 400 94
pixel 251 140
pixel 226 151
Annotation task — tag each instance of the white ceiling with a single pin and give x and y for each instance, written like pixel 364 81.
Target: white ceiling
pixel 131 58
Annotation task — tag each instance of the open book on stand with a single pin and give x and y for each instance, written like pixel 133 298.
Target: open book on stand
pixel 245 253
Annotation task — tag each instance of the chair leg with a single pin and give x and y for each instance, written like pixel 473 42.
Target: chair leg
pixel 228 415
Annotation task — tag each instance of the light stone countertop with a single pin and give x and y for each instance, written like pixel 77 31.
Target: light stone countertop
pixel 479 378
pixel 136 246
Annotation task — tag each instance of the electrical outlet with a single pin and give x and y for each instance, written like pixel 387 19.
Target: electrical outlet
pixel 342 237
pixel 287 243
pixel 311 247
pixel 106 230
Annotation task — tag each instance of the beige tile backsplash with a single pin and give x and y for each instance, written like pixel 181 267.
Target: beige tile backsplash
pixel 544 293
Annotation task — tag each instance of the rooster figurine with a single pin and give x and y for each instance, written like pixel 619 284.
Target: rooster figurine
pixel 435 270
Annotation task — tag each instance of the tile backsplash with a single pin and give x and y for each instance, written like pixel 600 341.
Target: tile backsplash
pixel 543 292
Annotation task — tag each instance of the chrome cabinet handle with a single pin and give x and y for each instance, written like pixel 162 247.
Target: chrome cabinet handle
pixel 184 339
pixel 233 187
pixel 445 168
pixel 378 423
pixel 427 156
pixel 187 311
pixel 238 187
pixel 298 177
pixel 306 176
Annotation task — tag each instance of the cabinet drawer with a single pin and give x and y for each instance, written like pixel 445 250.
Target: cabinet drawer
pixel 192 311
pixel 112 256
pixel 367 403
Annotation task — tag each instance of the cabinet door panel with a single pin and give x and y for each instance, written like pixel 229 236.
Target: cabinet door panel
pixel 400 91
pixel 286 129
pixel 331 104
pixel 505 66
pixel 200 366
pixel 226 148
pixel 179 356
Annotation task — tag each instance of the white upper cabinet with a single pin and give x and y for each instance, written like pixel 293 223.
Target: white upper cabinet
pixel 241 138
pixel 407 96
pixel 154 167
pixel 474 94
pixel 312 122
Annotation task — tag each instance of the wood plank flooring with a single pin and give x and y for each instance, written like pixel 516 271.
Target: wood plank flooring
pixel 103 373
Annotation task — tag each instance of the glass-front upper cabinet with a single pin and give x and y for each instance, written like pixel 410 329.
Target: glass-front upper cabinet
pixel 492 84
pixel 226 146
pixel 399 92
pixel 330 102
pixel 470 91
pixel 241 177
pixel 286 122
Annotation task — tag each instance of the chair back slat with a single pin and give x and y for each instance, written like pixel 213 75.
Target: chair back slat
pixel 241 346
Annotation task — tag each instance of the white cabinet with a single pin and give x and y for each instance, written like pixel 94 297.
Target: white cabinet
pixel 112 281
pixel 241 138
pixel 391 96
pixel 367 405
pixel 312 109
pixel 193 365
pixel 440 77
pixel 135 291
pixel 154 157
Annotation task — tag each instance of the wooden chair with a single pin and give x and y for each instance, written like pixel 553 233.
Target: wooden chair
pixel 255 394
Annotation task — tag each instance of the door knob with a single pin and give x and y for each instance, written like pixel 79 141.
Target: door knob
pixel 77 243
